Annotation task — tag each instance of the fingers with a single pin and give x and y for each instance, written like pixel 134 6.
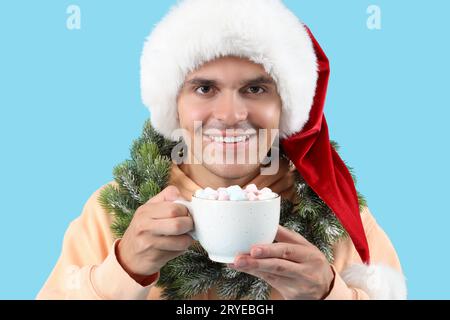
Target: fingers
pixel 273 266
pixel 271 279
pixel 172 226
pixel 170 193
pixel 286 251
pixel 274 280
pixel 161 206
pixel 173 243
pixel 163 210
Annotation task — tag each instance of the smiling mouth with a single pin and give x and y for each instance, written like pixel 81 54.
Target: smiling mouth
pixel 229 139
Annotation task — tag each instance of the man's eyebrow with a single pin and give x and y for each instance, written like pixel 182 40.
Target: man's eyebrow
pixel 213 82
pixel 202 82
pixel 259 80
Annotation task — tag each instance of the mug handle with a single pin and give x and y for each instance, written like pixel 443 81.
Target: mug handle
pixel 188 205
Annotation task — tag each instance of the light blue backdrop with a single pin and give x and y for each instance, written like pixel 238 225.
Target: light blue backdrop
pixel 70 107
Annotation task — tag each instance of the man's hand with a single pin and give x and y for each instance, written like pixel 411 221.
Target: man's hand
pixel 156 234
pixel 293 266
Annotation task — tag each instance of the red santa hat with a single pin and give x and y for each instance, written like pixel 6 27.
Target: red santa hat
pixel 267 33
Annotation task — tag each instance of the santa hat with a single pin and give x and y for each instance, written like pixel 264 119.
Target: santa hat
pixel 267 33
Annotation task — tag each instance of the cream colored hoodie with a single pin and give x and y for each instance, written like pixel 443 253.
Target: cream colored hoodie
pixel 88 268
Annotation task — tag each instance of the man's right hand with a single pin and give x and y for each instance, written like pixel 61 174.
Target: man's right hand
pixel 156 235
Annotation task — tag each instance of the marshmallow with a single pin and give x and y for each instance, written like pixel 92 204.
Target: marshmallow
pixel 267 195
pixel 199 193
pixel 236 193
pixel 223 195
pixel 251 188
pixel 251 196
pixel 210 191
pixel 265 190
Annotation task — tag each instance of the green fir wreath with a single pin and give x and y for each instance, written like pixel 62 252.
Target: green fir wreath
pixel 147 173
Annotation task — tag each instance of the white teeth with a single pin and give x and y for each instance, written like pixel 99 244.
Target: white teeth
pixel 229 139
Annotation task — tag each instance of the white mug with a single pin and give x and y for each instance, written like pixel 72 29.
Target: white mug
pixel 226 229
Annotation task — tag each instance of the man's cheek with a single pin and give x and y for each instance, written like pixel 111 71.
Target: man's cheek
pixel 197 114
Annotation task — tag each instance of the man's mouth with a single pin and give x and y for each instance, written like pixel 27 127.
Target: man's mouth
pixel 241 145
pixel 229 139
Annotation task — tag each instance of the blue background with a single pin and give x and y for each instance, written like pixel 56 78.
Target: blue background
pixel 70 107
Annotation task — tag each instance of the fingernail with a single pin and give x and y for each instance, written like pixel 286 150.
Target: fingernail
pixel 257 252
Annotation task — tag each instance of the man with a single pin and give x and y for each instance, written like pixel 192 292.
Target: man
pixel 220 64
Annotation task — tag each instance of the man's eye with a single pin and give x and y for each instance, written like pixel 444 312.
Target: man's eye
pixel 256 90
pixel 203 89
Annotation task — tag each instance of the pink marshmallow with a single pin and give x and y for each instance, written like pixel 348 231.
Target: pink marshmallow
pixel 223 195
pixel 251 188
pixel 251 196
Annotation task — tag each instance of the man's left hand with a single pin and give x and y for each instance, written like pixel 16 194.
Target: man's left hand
pixel 293 266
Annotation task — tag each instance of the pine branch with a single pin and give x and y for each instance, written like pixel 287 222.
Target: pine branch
pixel 259 290
pixel 150 134
pixel 148 190
pixel 361 201
pixel 116 202
pixel 235 288
pixel 335 145
pixel 311 205
pixel 190 286
pixel 126 176
pixel 188 275
pixel 120 225
pixel 159 171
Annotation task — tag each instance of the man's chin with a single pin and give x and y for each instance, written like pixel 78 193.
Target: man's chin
pixel 232 171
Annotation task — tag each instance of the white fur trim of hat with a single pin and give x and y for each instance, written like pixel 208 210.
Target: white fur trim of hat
pixel 198 31
pixel 379 281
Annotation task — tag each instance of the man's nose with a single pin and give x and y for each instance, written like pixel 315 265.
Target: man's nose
pixel 230 109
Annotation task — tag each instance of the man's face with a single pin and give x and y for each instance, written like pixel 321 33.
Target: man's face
pixel 231 100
